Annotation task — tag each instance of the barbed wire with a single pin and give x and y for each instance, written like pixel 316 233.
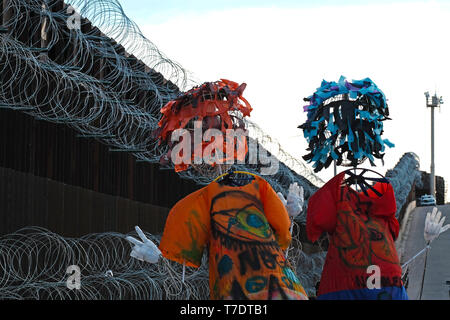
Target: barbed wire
pixel 34 261
pixel 108 16
pixel 82 78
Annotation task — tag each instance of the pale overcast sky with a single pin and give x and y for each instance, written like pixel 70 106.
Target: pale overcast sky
pixel 283 50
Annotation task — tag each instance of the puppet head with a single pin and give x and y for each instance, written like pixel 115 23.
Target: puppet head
pixel 345 123
pixel 213 105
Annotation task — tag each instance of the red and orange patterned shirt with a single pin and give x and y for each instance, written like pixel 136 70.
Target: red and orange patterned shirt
pixel 361 229
pixel 246 228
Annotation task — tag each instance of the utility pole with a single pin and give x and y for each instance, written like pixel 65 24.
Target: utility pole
pixel 432 103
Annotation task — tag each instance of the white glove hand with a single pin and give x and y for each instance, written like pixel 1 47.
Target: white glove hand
pixel 144 251
pixel 294 200
pixel 433 225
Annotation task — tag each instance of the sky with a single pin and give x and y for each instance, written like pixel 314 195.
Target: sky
pixel 284 49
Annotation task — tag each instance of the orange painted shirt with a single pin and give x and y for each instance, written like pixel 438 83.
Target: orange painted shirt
pixel 246 229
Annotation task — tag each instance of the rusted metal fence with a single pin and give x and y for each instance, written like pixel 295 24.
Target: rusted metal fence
pixel 74 185
pixel 28 200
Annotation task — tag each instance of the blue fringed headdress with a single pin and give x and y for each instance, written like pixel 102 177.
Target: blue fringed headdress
pixel 345 123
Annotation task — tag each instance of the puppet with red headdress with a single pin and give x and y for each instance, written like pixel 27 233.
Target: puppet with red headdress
pixel 238 217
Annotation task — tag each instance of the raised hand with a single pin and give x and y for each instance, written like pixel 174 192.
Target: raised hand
pixel 145 250
pixel 294 201
pixel 434 225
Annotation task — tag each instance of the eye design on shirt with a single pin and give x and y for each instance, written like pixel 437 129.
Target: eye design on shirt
pixel 252 221
pixel 375 235
pixel 238 218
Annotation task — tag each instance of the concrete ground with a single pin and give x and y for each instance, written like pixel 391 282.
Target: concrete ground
pixel 428 274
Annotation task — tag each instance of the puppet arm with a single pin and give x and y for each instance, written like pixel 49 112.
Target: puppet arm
pixel 145 250
pixel 433 228
pixel 294 201
pixel 434 225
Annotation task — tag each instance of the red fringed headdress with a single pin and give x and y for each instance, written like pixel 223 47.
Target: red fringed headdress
pixel 218 105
